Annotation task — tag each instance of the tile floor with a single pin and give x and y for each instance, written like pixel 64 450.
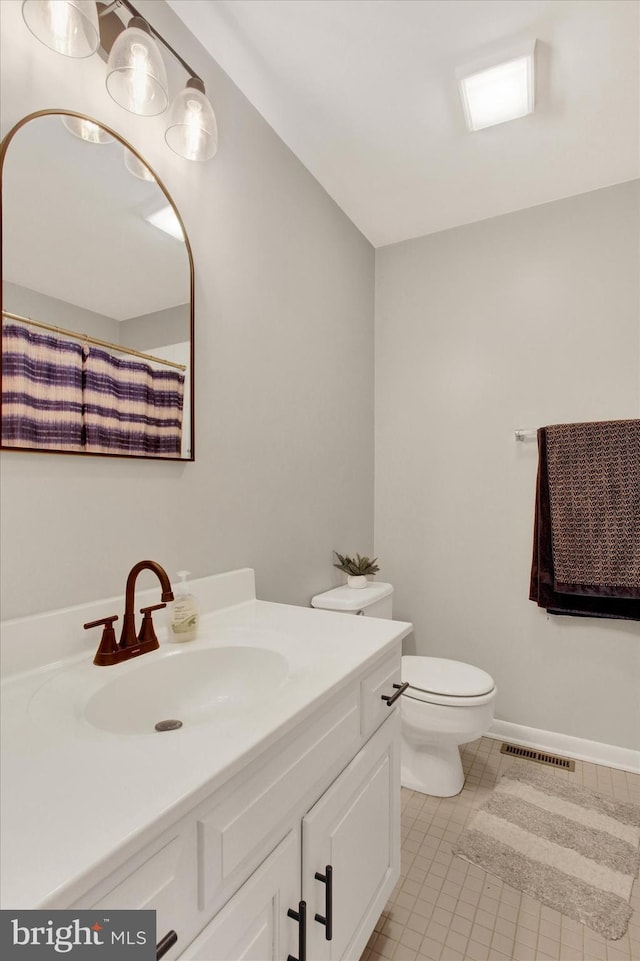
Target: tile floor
pixel 444 909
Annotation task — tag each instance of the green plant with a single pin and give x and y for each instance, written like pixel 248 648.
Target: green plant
pixel 355 566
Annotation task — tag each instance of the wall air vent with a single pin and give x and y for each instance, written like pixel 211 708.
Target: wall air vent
pixel 541 757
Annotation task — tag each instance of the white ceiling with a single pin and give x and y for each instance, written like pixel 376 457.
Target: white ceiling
pixel 364 93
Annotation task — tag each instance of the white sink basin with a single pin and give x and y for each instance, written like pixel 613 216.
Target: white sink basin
pixel 192 687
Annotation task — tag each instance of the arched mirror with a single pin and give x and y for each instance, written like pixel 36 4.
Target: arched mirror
pixel 97 296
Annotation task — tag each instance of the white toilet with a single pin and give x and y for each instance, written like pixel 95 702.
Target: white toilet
pixel 446 704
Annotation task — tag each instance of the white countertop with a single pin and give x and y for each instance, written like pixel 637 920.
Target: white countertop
pixel 76 798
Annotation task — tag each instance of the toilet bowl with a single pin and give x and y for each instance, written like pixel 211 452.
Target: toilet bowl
pixel 446 704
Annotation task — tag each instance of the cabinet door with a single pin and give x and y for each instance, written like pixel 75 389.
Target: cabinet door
pixel 355 828
pixel 254 925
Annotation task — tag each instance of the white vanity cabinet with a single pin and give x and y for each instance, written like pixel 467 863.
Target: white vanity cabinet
pixel 337 868
pixel 266 827
pixel 314 818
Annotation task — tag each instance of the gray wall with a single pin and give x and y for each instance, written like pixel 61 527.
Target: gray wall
pixel 169 326
pixel 284 369
pixel 31 303
pixel 516 322
pixel 527 319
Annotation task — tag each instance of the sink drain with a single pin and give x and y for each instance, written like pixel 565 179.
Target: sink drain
pixel 170 725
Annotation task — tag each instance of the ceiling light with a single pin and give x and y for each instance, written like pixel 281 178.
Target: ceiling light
pixel 166 219
pixel 86 130
pixel 192 131
pixel 69 27
pixel 500 92
pixel 136 75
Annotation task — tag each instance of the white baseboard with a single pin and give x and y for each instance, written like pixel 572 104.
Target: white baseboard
pixel 623 758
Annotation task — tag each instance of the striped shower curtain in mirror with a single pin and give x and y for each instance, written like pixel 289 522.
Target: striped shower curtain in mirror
pixel 130 407
pixel 41 390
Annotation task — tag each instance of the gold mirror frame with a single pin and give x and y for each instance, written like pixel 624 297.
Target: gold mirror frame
pixel 4 146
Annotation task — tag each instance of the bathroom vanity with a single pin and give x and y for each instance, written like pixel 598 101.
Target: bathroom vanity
pixel 267 826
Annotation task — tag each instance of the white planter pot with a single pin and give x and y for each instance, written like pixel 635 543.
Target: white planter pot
pixel 356 580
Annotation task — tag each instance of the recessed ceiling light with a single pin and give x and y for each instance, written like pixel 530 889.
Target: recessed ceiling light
pixel 500 92
pixel 165 219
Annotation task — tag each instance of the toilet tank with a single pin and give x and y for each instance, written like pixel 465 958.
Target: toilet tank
pixel 374 600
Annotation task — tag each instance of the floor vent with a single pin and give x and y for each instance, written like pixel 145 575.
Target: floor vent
pixel 516 750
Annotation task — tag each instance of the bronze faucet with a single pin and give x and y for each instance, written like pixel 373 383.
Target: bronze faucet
pixel 110 652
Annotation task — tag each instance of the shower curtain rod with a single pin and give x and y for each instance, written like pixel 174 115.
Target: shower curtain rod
pixel 92 340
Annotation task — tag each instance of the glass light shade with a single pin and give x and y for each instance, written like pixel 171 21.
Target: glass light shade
pixel 86 130
pixel 136 167
pixel 192 131
pixel 136 75
pixel 69 27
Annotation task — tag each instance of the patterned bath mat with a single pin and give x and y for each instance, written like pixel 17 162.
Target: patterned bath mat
pixel 564 845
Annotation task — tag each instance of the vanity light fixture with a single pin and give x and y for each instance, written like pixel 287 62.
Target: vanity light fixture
pixel 136 75
pixel 86 130
pixel 69 27
pixel 165 219
pixel 192 130
pixel 136 167
pixel 499 91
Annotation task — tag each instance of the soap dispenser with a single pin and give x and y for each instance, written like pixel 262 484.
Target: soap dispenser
pixel 184 616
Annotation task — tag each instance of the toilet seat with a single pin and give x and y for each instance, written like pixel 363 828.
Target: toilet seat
pixel 438 680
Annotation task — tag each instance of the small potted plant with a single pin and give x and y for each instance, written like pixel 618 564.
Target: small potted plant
pixel 356 568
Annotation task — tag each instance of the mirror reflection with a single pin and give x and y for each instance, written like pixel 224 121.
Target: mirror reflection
pixel 97 297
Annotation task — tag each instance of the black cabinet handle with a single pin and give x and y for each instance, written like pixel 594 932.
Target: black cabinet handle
pixel 301 917
pixel 163 945
pixel 392 698
pixel 327 920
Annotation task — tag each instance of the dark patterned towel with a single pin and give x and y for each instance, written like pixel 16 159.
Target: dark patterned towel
pixel 586 552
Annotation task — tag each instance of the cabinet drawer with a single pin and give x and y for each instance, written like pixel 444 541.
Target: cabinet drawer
pixel 379 681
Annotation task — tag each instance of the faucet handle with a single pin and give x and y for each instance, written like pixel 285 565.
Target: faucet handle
pixel 107 621
pixel 108 647
pixel 147 632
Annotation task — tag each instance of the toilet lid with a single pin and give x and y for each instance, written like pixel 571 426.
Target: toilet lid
pixel 439 675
